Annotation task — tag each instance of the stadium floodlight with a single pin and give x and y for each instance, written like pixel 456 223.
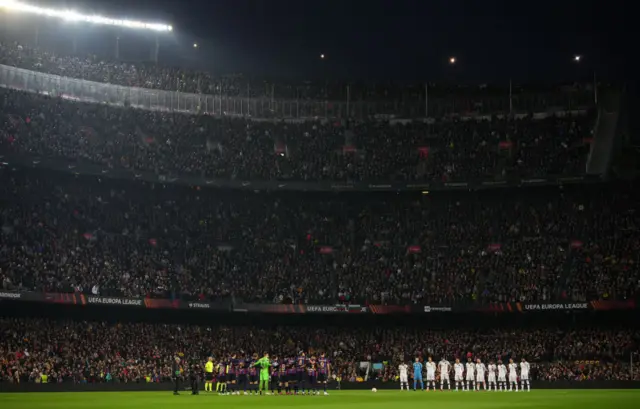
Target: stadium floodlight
pixel 70 15
pixel 452 60
pixel 577 58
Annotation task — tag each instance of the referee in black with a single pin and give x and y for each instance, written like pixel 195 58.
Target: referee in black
pixel 177 376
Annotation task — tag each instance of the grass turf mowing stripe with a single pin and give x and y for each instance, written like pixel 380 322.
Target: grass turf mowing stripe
pixel 538 399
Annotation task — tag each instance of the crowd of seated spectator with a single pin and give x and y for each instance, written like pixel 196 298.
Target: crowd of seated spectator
pixel 384 98
pixel 236 148
pixel 65 233
pixel 74 351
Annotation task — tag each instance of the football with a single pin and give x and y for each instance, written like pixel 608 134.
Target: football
pixel 374 390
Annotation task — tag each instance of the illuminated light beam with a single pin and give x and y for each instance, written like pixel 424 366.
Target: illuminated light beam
pixel 70 15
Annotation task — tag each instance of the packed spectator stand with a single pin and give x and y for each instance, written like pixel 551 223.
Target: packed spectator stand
pixel 95 352
pixel 71 233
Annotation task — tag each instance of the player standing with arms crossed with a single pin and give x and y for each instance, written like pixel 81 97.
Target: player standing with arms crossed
pixel 431 374
pixel 458 377
pixel 324 371
pixel 471 380
pixel 417 375
pixel 513 376
pixel 502 376
pixel 444 367
pixel 524 375
pixel 492 375
pixel 404 375
pixel 480 370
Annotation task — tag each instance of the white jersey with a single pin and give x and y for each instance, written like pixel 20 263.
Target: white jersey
pixel 470 371
pixel 480 370
pixel 502 373
pixel 404 371
pixel 492 372
pixel 458 370
pixel 431 371
pixel 444 367
pixel 513 372
pixel 524 371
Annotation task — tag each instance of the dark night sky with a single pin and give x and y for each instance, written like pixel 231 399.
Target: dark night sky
pixel 402 39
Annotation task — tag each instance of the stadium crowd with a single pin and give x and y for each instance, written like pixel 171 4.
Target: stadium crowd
pixel 74 351
pixel 65 233
pixel 384 98
pixel 175 144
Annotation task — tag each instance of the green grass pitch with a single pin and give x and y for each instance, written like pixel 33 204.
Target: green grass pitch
pixel 548 399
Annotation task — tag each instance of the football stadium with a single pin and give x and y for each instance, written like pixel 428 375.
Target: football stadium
pixel 178 234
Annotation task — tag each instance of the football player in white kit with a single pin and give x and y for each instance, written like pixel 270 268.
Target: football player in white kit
pixel 492 376
pixel 502 376
pixel 513 376
pixel 458 371
pixel 444 367
pixel 404 376
pixel 469 384
pixel 431 373
pixel 480 370
pixel 524 375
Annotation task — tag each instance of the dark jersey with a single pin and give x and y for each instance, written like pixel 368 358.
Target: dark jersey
pixel 274 368
pixel 323 365
pixel 233 366
pixel 222 368
pixel 242 368
pixel 301 362
pixel 252 369
pixel 291 366
pixel 282 369
pixel 312 369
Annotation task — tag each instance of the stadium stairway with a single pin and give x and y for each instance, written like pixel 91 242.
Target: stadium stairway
pixel 605 134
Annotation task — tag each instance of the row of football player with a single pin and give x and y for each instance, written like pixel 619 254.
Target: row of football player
pixel 299 375
pixel 475 374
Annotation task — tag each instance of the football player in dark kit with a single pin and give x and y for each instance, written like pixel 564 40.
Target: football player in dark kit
pixel 273 381
pixel 283 382
pixel 301 372
pixel 292 375
pixel 177 375
pixel 243 372
pixel 253 375
pixel 312 374
pixel 324 371
pixel 232 374
pixel 194 377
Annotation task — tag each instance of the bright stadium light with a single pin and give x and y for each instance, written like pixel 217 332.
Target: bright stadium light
pixel 70 15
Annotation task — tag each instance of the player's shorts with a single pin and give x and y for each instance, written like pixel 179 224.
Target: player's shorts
pixel 513 378
pixel 292 377
pixel 431 377
pixel 231 378
pixel 404 378
pixel 242 379
pixel 524 377
pixel 208 376
pixel 492 378
pixel 470 377
pixel 458 378
pixel 253 378
pixel 311 379
pixel 417 377
pixel 222 378
pixel 502 378
pixel 300 377
pixel 322 377
pixel 444 378
pixel 265 377
pixel 282 378
pixel 480 378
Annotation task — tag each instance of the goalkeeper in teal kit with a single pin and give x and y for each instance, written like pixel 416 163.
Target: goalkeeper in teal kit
pixel 264 364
